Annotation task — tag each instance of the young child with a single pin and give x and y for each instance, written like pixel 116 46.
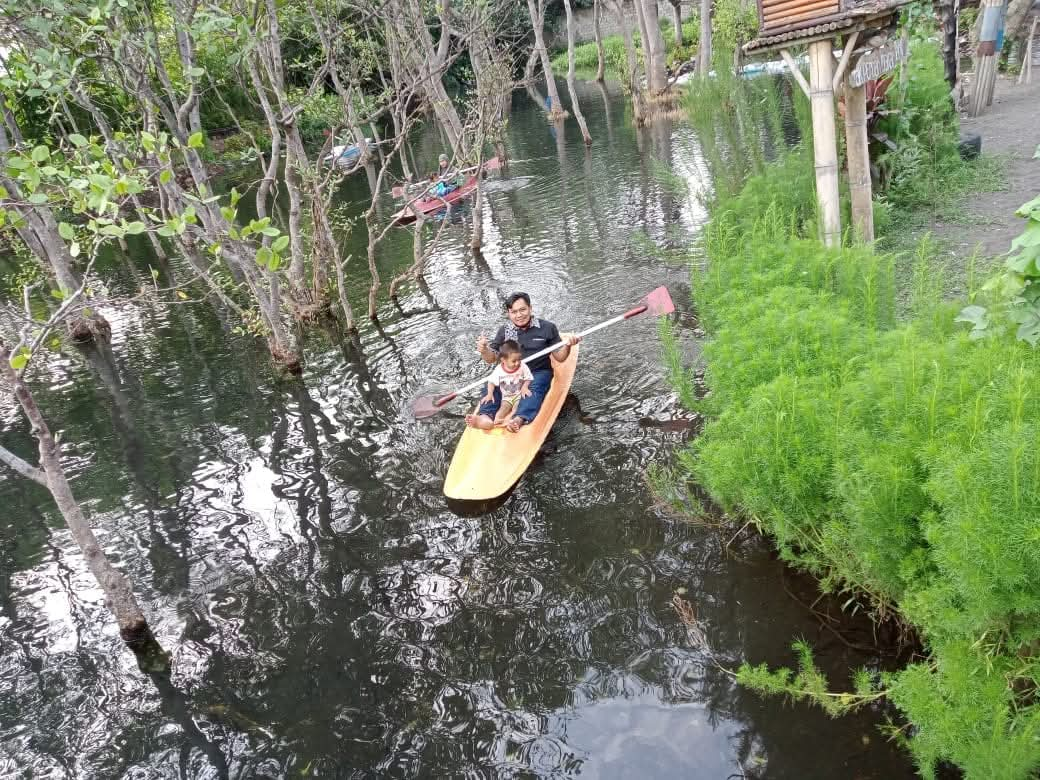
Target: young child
pixel 513 379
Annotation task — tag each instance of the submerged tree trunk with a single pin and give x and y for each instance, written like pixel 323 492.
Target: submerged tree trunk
pixel 677 21
pixel 477 237
pixel 575 105
pixel 119 597
pixel 704 53
pixel 39 230
pixel 653 48
pixel 638 110
pixel 426 60
pixel 556 111
pixel 348 310
pixel 600 58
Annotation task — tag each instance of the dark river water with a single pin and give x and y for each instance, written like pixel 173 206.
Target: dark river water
pixel 328 613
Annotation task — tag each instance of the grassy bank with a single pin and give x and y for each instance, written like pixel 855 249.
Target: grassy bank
pixel 879 446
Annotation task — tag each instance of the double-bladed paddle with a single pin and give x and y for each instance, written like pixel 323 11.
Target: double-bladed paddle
pixel 657 303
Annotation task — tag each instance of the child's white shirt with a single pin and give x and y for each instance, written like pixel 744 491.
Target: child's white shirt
pixel 510 384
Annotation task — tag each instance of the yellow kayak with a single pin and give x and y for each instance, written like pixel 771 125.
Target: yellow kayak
pixel 487 463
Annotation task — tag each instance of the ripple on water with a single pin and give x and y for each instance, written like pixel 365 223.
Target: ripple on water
pixel 330 612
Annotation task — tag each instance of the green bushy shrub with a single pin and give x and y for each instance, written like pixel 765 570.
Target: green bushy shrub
pixel 965 712
pixel 900 462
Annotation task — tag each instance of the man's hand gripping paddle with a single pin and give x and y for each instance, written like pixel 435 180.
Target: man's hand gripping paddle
pixel 657 303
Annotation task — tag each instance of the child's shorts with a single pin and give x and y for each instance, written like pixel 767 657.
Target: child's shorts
pixel 510 401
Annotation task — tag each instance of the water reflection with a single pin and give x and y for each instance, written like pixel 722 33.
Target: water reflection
pixel 330 613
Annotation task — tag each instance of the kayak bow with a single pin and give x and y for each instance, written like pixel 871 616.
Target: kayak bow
pixel 487 463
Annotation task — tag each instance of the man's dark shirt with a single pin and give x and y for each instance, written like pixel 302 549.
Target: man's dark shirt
pixel 538 335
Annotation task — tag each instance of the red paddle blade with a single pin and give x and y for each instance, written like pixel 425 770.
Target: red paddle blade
pixel 493 164
pixel 424 407
pixel 658 302
pixel 428 406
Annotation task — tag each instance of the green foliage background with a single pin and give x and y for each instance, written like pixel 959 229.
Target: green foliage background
pixel 895 459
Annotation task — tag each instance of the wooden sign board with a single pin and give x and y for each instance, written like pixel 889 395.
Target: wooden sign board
pixel 879 62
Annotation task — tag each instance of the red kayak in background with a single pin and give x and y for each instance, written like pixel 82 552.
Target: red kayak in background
pixel 433 204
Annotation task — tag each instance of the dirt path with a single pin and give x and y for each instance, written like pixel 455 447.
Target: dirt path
pixel 1011 126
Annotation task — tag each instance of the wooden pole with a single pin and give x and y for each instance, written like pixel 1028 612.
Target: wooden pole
pixel 1026 72
pixel 991 12
pixel 856 146
pixel 825 144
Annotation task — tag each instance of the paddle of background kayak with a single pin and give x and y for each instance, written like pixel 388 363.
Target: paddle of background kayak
pixel 487 463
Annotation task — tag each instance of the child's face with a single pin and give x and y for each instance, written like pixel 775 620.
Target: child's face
pixel 511 362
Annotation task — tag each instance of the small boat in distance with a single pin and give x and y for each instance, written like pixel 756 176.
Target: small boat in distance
pixel 428 203
pixel 345 155
pixel 431 204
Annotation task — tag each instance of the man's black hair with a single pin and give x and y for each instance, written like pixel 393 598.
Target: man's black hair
pixel 519 296
pixel 509 347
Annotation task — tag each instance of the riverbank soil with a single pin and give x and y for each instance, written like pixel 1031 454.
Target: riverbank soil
pixel 987 221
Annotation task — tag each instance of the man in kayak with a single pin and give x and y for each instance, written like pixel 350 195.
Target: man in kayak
pixel 533 335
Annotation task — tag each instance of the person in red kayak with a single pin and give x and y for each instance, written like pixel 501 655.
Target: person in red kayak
pixel 533 335
pixel 446 177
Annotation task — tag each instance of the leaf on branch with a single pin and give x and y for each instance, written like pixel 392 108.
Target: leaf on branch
pixel 280 244
pixel 59 294
pixel 65 231
pixel 74 249
pixel 20 358
pixel 195 140
pixel 38 198
pixel 165 177
pixel 41 153
pixel 77 140
pixel 135 228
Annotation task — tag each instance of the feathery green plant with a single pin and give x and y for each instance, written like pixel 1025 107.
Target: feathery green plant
pixel 896 461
